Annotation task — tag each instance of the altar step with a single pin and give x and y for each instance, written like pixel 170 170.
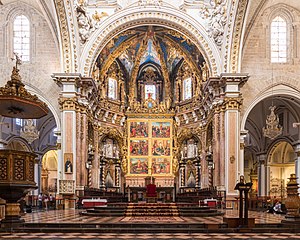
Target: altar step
pixel 152 209
pixel 109 211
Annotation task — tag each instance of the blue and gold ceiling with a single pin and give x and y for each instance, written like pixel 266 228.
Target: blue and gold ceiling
pixel 149 45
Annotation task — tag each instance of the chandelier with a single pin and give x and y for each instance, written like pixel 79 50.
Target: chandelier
pixel 29 131
pixel 272 128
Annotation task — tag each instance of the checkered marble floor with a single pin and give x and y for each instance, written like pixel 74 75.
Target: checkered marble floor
pixel 177 236
pixel 73 216
pixel 65 216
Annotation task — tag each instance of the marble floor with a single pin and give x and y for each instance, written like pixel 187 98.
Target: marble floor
pixel 73 216
pixel 175 236
pixel 60 216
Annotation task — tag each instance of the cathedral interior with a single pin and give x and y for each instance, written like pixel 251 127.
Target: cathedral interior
pixel 190 96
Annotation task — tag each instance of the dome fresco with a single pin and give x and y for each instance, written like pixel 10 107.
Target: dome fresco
pixel 154 44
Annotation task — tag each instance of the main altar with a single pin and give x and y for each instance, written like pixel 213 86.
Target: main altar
pixel 150 151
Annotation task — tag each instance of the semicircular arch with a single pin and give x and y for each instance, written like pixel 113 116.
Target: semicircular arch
pixel 135 17
pixel 279 89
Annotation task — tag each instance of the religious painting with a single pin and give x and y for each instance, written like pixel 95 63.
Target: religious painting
pixel 138 165
pixel 149 146
pixel 160 165
pixel 138 129
pixel 161 148
pixel 150 91
pixel 161 129
pixel 68 162
pixel 190 174
pixel 138 147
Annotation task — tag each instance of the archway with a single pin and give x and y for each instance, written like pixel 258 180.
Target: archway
pixel 135 17
pixel 49 172
pixel 281 160
pixel 260 148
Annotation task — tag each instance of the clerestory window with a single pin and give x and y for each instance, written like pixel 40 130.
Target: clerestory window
pixel 278 40
pixel 21 37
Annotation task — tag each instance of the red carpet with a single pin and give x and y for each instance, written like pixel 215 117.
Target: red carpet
pixel 152 219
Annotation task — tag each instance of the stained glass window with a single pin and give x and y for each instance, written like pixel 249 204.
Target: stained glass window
pixel 278 40
pixel 150 91
pixel 21 37
pixel 112 88
pixel 187 89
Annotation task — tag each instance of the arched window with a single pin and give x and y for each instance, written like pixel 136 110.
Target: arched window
pixel 21 37
pixel 187 88
pixel 112 88
pixel 278 40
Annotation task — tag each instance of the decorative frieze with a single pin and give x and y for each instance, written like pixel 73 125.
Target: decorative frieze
pixel 66 186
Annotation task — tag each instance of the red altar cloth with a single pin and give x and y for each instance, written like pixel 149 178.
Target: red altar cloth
pixel 151 190
pixel 89 203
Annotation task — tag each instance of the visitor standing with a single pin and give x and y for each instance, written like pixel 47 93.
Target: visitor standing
pixel 40 201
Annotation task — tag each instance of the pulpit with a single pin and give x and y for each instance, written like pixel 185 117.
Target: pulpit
pixel 151 193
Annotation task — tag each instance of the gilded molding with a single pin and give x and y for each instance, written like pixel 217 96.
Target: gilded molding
pixel 148 17
pixel 168 94
pixel 237 35
pixel 64 14
pixel 233 103
pixel 230 25
pixel 135 70
pixel 114 55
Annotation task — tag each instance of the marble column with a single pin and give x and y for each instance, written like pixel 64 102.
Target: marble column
pixel 96 161
pixel 198 174
pixel 69 105
pixel 297 163
pixel 216 150
pixel 232 101
pixel 182 176
pixel 241 167
pixel 222 150
pixel 262 172
pixel 101 174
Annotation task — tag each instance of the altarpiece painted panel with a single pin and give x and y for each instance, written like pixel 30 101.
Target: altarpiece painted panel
pixel 150 147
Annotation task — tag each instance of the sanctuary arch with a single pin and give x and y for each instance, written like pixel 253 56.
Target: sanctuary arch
pixel 152 107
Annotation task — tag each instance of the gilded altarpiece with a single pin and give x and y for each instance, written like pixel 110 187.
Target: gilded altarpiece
pixel 150 147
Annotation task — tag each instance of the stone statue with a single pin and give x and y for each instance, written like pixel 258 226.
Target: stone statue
pixel 122 122
pixel 205 72
pixel 216 19
pixel 186 118
pixel 84 22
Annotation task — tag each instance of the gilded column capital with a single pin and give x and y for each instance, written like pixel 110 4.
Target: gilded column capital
pixel 232 103
pixel 68 103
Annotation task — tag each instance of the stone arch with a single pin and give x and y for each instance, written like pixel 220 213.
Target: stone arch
pixel 53 110
pixel 282 10
pixel 134 17
pixel 282 89
pixel 15 142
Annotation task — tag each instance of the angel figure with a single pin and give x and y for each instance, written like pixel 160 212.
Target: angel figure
pixel 98 16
